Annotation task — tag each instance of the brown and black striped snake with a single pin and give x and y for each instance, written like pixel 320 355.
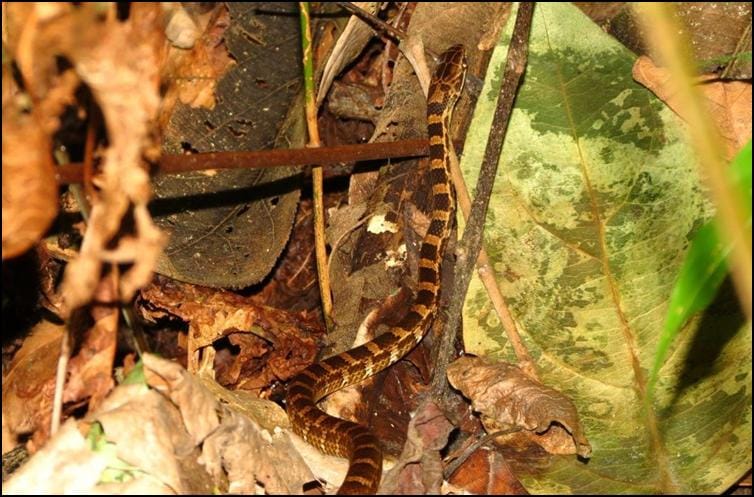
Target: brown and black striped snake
pixel 344 438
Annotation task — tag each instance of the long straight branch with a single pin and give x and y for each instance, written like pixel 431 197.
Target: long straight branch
pixel 257 159
pixel 323 271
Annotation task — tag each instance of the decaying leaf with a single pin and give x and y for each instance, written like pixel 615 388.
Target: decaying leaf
pixel 509 400
pixel 174 437
pixel 29 384
pixel 485 472
pixel 90 370
pixel 419 467
pixel 228 227
pixel 350 43
pixel 276 345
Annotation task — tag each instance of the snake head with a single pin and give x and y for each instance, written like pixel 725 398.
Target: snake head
pixel 449 77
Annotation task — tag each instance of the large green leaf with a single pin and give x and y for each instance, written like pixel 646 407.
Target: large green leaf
pixel 595 202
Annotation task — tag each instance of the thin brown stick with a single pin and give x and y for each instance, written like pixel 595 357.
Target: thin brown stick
pixel 481 441
pixel 380 26
pixel 91 136
pixel 323 270
pixel 255 159
pixel 60 375
pixel 471 243
pixel 375 22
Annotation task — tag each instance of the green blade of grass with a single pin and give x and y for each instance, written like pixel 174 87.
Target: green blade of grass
pixel 705 266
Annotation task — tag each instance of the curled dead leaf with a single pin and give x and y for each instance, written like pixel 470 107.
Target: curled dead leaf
pixel 419 467
pixel 511 401
pixel 486 472
pixel 29 385
pixel 729 102
pixel 273 346
pixel 120 62
pixel 30 191
pixel 355 36
pixel 90 370
pixel 233 446
pixel 173 436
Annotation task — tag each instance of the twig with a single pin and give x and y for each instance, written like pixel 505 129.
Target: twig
pixel 374 21
pixel 381 26
pixel 255 159
pixel 57 401
pixel 468 249
pixel 323 271
pixel 457 462
pixel 91 139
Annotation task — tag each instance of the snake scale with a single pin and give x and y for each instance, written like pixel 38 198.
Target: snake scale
pixel 344 438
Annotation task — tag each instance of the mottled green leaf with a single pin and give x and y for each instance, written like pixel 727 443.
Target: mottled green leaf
pixel 596 200
pixel 705 265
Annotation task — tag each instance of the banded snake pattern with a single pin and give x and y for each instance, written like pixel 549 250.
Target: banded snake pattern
pixel 344 438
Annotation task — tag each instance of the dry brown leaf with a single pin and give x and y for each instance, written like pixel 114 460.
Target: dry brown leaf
pixel 232 444
pixel 29 385
pixel 179 439
pixel 729 102
pixel 149 434
pixel 510 400
pixel 90 371
pixel 268 415
pixel 30 192
pixel 486 472
pixel 195 72
pixel 349 45
pixel 283 342
pixel 120 61
pixel 29 188
pixel 254 458
pixel 194 400
pixel 419 467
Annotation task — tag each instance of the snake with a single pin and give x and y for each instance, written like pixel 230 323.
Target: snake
pixel 343 438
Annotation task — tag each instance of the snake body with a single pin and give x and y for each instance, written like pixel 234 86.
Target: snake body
pixel 344 438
